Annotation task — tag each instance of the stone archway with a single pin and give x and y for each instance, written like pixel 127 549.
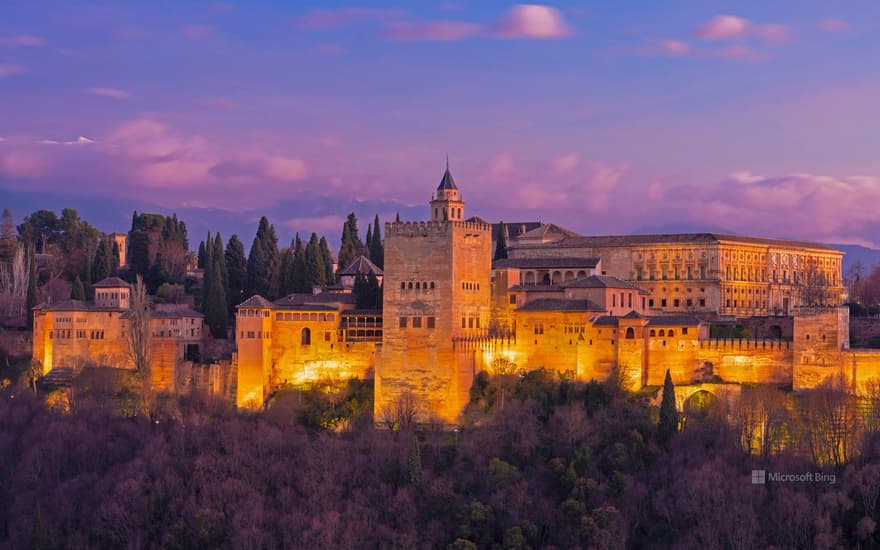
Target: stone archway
pixel 700 405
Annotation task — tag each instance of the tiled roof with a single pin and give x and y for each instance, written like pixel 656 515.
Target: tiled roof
pixel 546 263
pixel 559 304
pixel 65 305
pixel 542 230
pixel 305 299
pixel 176 313
pixel 676 238
pixel 111 282
pixel 255 301
pixel 605 321
pixel 362 265
pixel 537 288
pixel 447 182
pixel 673 321
pixel 601 281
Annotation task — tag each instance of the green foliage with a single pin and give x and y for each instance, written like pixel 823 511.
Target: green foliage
pixel 367 291
pixel 201 257
pixel 286 284
pixel 38 541
pixel 31 301
pixel 501 244
pixel 236 269
pixel 215 306
pixel 668 425
pixel 315 271
pixel 77 291
pixel 415 463
pixel 170 293
pixel 299 266
pixel 259 278
pixel 219 258
pixel 329 274
pixel 103 265
pixel 346 249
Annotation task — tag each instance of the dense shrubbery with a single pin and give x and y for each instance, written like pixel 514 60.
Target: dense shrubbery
pixel 560 464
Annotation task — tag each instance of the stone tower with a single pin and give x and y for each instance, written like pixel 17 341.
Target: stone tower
pixel 436 304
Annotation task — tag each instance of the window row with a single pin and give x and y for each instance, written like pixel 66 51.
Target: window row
pixel 470 321
pixel 287 316
pixel 675 274
pixel 738 303
pixel 255 334
pixel 101 295
pixel 470 286
pixel 677 302
pixel 417 285
pixel 253 313
pixel 417 322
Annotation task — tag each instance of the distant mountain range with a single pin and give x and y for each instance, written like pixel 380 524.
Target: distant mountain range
pixel 854 253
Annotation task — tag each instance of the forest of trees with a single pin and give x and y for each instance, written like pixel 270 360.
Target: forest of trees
pixel 557 464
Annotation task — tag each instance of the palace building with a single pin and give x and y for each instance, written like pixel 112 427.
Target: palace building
pixel 585 307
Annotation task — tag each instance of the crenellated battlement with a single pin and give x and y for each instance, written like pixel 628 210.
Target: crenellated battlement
pixel 422 228
pixel 745 344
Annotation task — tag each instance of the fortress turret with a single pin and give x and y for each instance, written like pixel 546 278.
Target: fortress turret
pixel 446 204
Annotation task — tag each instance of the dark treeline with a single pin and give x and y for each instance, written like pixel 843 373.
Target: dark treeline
pixel 555 464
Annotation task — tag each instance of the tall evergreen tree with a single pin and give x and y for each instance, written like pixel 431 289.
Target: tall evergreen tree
pixel 501 244
pixel 285 282
pixel 114 265
pixel 299 266
pixel 377 251
pixel 216 312
pixel 31 301
pixel 220 261
pixel 352 222
pixel 77 291
pixel 397 218
pixel 134 220
pixel 269 242
pixel 236 269
pixel 101 267
pixel 368 293
pixel 668 413
pixel 259 279
pixel 368 245
pixel 201 260
pixel 346 249
pixel 415 463
pixel 315 273
pixel 329 273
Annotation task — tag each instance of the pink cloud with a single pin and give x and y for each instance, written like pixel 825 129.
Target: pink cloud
pixel 196 31
pixel 281 168
pixel 10 69
pixel 724 27
pixel 113 93
pixel 500 165
pixel 564 164
pixel 430 31
pixel 833 25
pixel 671 48
pixel 325 19
pixel 741 53
pixel 22 40
pixel 773 32
pixel 23 165
pixel 532 21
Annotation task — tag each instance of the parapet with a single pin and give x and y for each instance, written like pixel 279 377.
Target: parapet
pixel 412 229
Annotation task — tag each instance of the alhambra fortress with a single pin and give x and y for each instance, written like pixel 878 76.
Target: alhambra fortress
pixel 586 307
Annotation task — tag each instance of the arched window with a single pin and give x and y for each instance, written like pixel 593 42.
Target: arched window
pixel 670 333
pixel 410 285
pixel 630 333
pixel 653 332
pixel 432 284
pixel 306 337
pixel 662 332
pixel 418 285
pixel 402 286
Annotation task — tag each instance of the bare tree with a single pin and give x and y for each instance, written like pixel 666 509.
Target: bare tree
pixel 761 415
pixel 13 285
pixel 832 424
pixel 507 373
pixel 401 414
pixel 138 340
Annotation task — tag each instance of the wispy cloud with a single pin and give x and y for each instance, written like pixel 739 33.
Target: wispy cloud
pixel 113 93
pixel 723 27
pixel 10 69
pixel 22 40
pixel 430 31
pixel 326 19
pixel 196 31
pixel 81 140
pixel 833 25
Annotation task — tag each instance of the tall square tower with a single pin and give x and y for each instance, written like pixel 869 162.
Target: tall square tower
pixel 437 305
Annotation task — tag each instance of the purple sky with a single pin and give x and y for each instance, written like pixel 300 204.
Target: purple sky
pixel 749 117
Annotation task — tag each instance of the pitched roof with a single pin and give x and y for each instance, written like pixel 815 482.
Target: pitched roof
pixel 255 301
pixel 362 265
pixel 307 299
pixel 673 321
pixel 111 282
pixel 559 304
pixel 176 313
pixel 546 263
pixel 601 281
pixel 537 288
pixel 602 241
pixel 65 305
pixel 605 321
pixel 447 182
pixel 547 229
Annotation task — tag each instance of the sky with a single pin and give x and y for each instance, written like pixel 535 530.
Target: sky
pixel 747 117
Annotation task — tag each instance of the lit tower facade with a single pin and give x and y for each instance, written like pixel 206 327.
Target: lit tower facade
pixel 436 306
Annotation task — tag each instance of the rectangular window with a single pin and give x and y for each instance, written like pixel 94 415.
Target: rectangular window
pixel 690 273
pixel 728 302
pixel 417 322
pixel 676 302
pixel 676 273
pixel 684 330
pixel 663 302
pixel 630 302
pixel 689 302
pixel 250 334
pixel 470 322
pixel 513 299
pixel 403 322
pixel 463 322
pixel 639 274
pixel 430 322
pixel 643 302
pixel 614 300
pixel 651 302
pixel 702 302
pixel 702 272
pixel 326 335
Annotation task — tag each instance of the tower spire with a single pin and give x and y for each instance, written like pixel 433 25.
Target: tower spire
pixel 447 162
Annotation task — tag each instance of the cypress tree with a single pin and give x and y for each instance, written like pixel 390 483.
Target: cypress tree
pixel 134 220
pixel 299 266
pixel 236 270
pixel 668 413
pixel 216 314
pixel 368 245
pixel 77 291
pixel 352 222
pixel 114 266
pixel 201 261
pixel 101 267
pixel 220 261
pixel 377 251
pixel 31 302
pixel 329 274
pixel 397 218
pixel 415 463
pixel 367 291
pixel 258 275
pixel 315 272
pixel 501 244
pixel 346 249
pixel 37 535
pixel 286 284
pixel 269 242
